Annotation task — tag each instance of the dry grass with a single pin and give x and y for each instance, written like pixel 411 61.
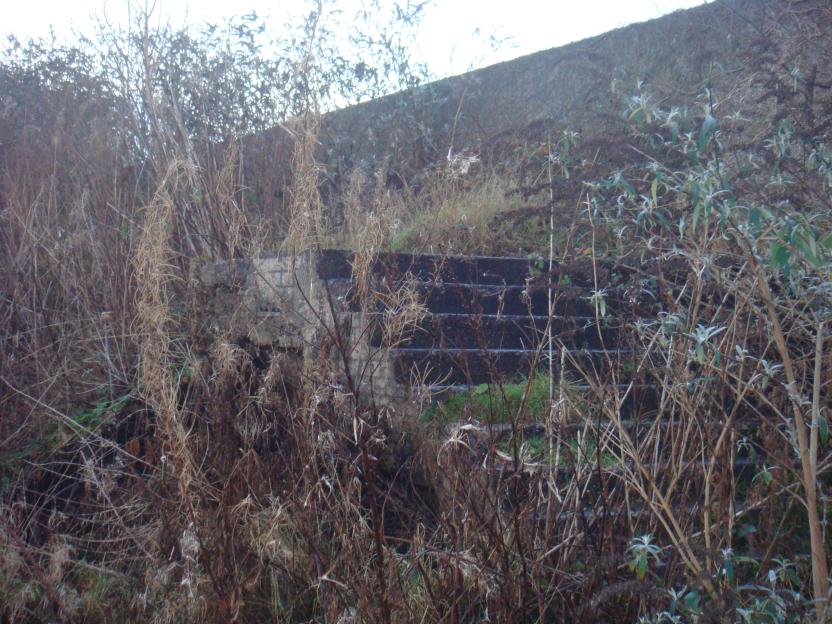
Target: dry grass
pixel 148 476
pixel 453 214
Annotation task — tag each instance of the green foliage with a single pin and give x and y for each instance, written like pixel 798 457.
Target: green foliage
pixel 737 217
pixel 760 216
pixel 642 553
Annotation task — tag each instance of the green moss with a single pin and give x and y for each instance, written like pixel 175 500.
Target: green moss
pixel 495 403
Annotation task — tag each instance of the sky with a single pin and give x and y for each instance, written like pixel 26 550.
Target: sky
pixel 454 36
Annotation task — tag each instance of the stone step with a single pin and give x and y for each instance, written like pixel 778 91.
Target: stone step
pixel 457 330
pixel 638 406
pixel 472 367
pixel 746 465
pixel 744 469
pixel 473 270
pixel 519 300
pixel 337 264
pixel 500 300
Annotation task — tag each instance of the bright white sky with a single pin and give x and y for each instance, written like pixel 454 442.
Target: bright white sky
pixel 453 38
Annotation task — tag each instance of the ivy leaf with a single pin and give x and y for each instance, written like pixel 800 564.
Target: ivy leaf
pixel 709 125
pixel 697 215
pixel 641 568
pixel 728 570
pixel 779 255
pixel 754 220
pixel 808 247
pixel 692 599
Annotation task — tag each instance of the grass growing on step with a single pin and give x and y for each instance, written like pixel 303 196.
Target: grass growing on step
pixel 494 403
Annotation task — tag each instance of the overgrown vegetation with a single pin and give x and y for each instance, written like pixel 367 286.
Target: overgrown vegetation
pixel 152 470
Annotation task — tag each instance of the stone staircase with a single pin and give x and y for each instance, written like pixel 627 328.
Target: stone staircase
pixel 487 319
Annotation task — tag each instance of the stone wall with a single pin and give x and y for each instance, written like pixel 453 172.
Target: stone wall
pixel 290 303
